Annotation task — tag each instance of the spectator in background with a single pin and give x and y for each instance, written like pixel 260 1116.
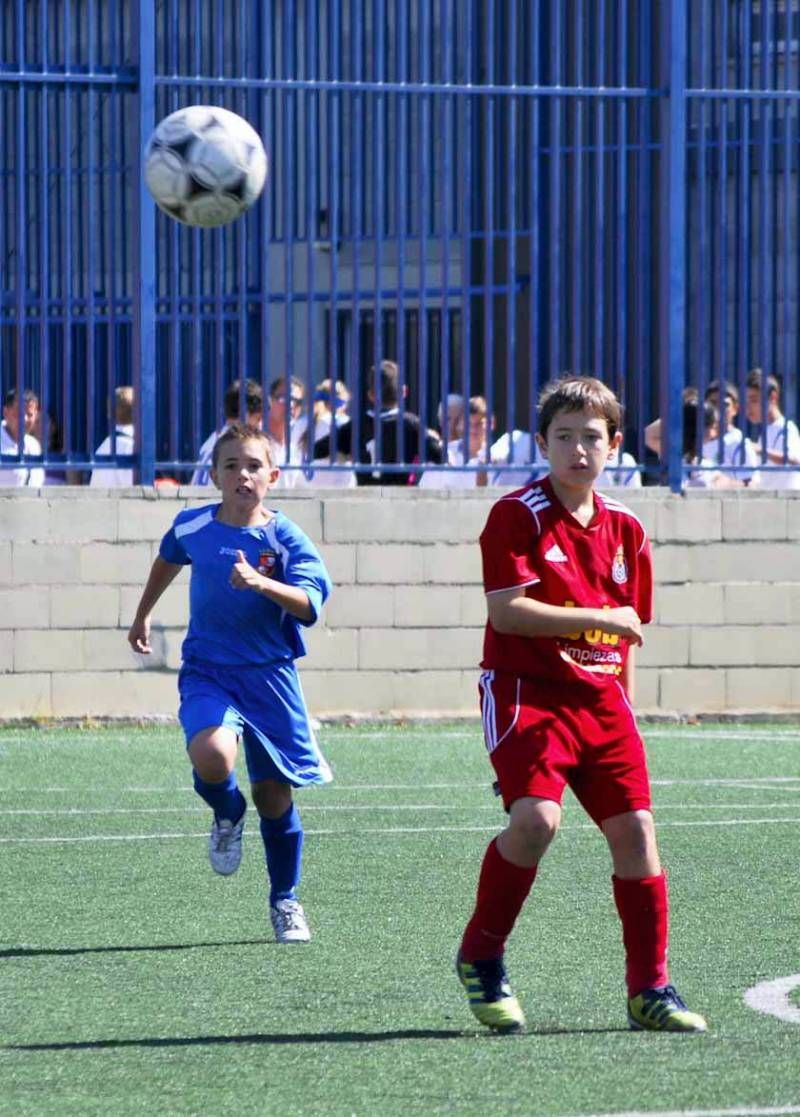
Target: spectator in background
pixel 621 472
pixel 16 434
pixel 254 417
pixel 283 391
pixel 704 475
pixel 652 432
pixel 453 476
pixel 402 437
pixel 115 477
pixel 517 460
pixel 733 448
pixel 778 441
pixel 451 417
pixel 331 401
pixel 50 434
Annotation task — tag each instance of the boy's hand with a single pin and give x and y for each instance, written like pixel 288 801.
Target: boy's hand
pixel 244 576
pixel 623 622
pixel 139 636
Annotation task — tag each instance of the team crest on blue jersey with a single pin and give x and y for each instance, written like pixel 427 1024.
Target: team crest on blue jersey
pixel 266 563
pixel 619 567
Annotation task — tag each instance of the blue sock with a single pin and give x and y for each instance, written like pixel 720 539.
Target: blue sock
pixel 283 845
pixel 225 798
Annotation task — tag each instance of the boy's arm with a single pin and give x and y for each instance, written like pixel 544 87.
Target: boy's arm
pixel 291 598
pixel 162 574
pixel 514 614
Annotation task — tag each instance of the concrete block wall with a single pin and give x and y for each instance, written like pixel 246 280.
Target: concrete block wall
pixel 402 633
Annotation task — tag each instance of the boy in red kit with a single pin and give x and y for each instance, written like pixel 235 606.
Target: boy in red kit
pixel 568 584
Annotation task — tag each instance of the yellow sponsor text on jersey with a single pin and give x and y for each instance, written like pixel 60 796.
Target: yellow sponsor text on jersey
pixel 593 635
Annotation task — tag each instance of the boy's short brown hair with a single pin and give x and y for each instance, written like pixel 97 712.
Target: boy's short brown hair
pixel 579 393
pixel 729 391
pixel 755 379
pixel 253 398
pixel 242 432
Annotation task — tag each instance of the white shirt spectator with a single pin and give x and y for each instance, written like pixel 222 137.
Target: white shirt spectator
pixel 706 478
pixel 451 476
pixel 517 460
pixel 18 475
pixel 736 451
pixel 202 475
pixel 111 477
pixel 621 472
pixel 782 437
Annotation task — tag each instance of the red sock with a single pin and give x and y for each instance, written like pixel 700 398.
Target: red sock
pixel 502 890
pixel 643 907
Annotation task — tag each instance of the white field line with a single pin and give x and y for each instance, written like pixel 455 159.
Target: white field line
pixel 585 827
pixel 772 998
pixel 754 783
pixel 307 808
pixel 736 1111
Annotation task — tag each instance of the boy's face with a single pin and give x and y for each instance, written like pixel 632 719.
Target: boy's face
pixel 753 406
pixel 731 408
pixel 577 447
pixel 30 415
pixel 277 403
pixel 243 473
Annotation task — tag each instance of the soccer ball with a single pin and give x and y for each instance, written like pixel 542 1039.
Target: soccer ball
pixel 204 165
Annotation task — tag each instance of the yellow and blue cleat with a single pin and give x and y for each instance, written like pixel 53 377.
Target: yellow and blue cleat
pixel 490 998
pixel 662 1010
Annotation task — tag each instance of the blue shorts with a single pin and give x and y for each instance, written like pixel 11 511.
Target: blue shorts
pixel 265 707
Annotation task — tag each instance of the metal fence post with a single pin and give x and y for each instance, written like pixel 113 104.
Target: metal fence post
pixel 672 349
pixel 144 316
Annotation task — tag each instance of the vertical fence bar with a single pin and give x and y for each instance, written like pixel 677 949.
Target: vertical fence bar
pixel 535 107
pixel 599 271
pixel 673 240
pixel 575 111
pixel 22 170
pixel 622 209
pixel 44 233
pixel 144 332
pixel 555 222
pixel 511 172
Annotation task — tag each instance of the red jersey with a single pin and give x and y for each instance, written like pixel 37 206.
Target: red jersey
pixel 531 540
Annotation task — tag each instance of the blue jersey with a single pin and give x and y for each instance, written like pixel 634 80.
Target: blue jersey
pixel 228 626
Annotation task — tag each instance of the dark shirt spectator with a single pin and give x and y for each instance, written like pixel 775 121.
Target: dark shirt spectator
pixel 402 438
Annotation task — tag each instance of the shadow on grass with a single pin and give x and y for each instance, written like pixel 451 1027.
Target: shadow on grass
pixel 265 1038
pixel 282 1039
pixel 67 951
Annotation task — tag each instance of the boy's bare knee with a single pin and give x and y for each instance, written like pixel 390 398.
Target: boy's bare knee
pixel 213 754
pixel 272 799
pixel 632 840
pixel 533 823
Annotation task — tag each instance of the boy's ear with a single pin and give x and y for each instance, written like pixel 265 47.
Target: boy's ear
pixel 540 442
pixel 615 442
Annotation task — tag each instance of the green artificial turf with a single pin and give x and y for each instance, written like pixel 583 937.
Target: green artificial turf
pixel 135 981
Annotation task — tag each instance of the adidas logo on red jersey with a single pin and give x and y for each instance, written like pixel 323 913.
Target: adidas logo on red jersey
pixel 555 554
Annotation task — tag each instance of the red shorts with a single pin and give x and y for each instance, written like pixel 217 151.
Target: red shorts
pixel 542 736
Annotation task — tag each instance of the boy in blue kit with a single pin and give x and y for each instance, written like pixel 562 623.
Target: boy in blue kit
pixel 256 580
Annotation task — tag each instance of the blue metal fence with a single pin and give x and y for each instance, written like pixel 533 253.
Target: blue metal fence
pixel 490 192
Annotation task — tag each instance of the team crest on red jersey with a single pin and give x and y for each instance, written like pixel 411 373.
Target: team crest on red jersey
pixel 266 563
pixel 619 567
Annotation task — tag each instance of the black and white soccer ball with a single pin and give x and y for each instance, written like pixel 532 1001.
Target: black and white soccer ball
pixel 204 165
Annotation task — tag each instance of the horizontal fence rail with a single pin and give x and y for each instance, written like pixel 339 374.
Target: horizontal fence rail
pixel 488 194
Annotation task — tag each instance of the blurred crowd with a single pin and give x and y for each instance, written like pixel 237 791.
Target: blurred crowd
pixel 318 442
